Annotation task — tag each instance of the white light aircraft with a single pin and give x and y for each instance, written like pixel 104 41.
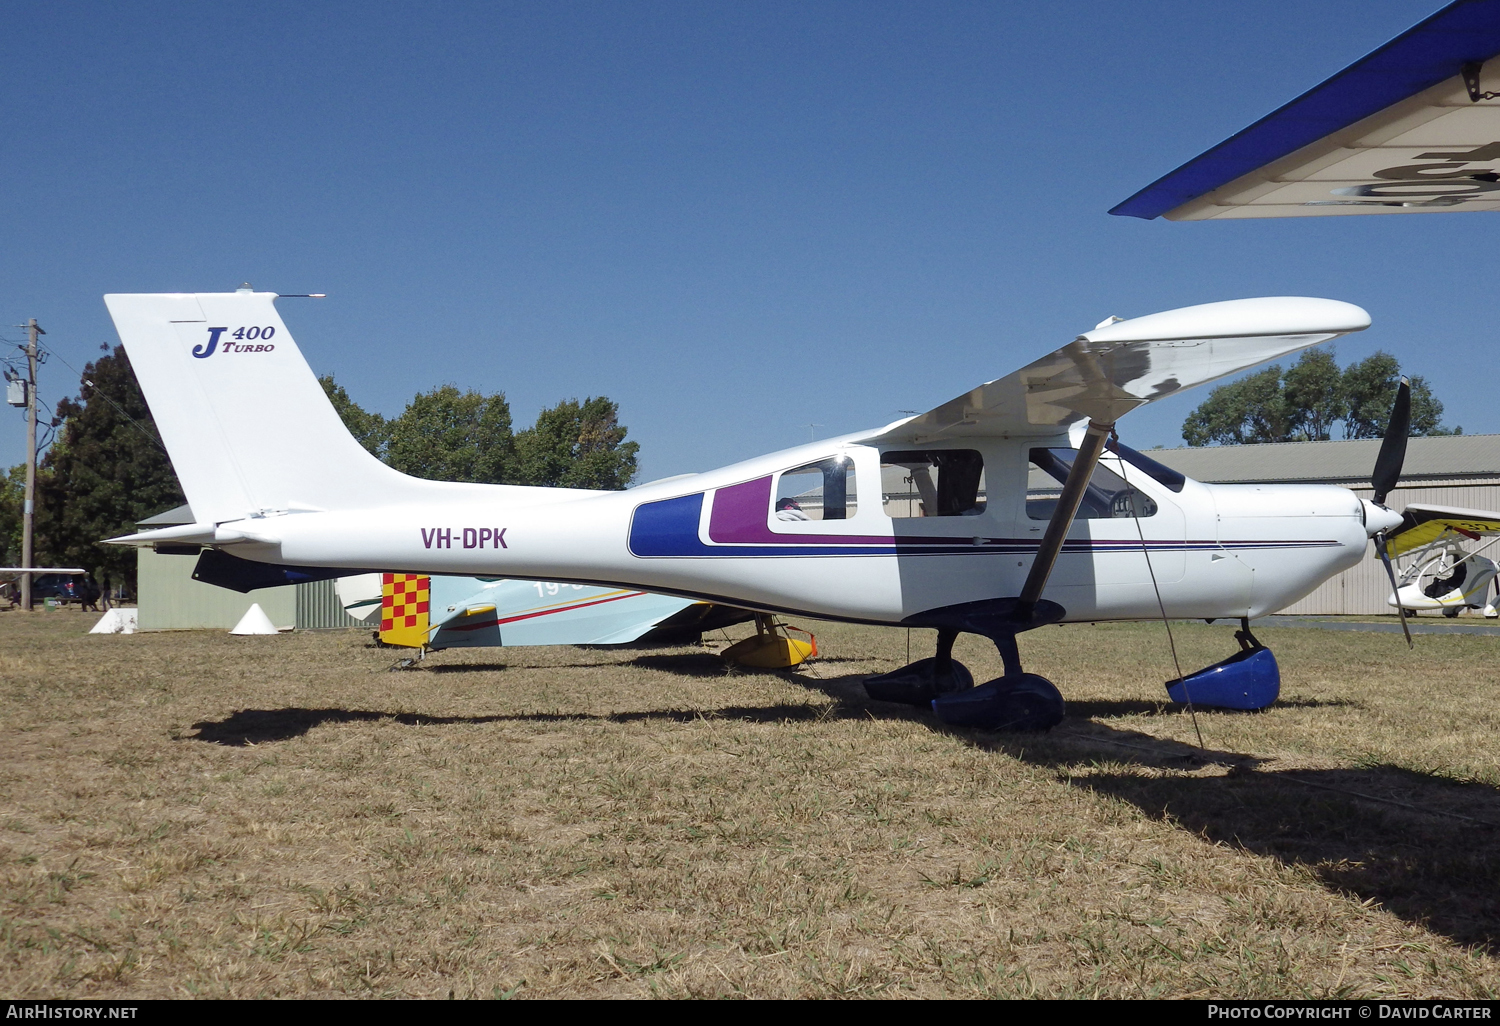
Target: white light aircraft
pixel 995 513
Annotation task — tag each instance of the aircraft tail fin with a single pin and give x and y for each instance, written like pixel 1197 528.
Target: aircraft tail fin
pixel 246 423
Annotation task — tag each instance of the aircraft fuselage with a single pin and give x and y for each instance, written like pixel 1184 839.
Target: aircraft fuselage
pixel 1214 550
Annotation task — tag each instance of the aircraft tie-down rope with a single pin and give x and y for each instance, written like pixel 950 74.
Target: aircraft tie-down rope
pixel 1135 514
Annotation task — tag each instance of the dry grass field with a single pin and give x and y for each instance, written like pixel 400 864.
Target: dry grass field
pixel 194 814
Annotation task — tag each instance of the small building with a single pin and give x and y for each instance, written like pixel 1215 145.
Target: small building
pixel 1443 470
pixel 169 599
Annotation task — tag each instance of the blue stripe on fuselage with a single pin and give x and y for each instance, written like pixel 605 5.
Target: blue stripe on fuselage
pixel 669 528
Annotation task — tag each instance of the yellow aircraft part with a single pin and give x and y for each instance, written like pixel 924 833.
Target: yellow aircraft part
pixel 772 647
pixel 404 600
pixel 1430 530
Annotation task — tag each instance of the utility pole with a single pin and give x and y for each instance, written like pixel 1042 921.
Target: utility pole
pixel 28 518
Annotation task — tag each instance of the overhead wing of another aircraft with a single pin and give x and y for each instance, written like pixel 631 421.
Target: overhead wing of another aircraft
pixel 1411 128
pixel 1423 525
pixel 1124 364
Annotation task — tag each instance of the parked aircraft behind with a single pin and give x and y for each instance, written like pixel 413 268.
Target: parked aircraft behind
pixel 1440 572
pixel 437 613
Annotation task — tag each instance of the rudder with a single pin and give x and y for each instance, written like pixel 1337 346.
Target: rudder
pixel 246 423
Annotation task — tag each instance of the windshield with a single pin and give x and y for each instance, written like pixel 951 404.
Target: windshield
pixel 1107 497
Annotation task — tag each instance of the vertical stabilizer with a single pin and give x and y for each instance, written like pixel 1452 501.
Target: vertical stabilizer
pixel 244 419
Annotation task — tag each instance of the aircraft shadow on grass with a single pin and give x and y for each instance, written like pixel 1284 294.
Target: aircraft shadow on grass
pixel 1339 825
pixel 691 664
pixel 264 726
pixel 1419 864
pixel 1428 869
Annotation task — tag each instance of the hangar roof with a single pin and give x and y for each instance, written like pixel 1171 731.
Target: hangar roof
pixel 1460 459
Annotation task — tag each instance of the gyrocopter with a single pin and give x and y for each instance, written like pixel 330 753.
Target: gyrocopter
pixel 1441 572
pixel 1022 508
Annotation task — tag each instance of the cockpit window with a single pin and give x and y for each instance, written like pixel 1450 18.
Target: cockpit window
pixel 1108 496
pixel 932 483
pixel 818 491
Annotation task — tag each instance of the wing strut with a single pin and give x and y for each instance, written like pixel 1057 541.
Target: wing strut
pixel 1062 517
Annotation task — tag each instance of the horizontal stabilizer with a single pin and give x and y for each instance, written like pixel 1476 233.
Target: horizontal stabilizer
pixel 1105 373
pixel 42 570
pixel 1412 128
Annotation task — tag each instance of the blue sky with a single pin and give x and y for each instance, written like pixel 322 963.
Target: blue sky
pixel 735 219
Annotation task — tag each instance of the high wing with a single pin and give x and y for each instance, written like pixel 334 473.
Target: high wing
pixel 1423 525
pixel 1124 364
pixel 1413 127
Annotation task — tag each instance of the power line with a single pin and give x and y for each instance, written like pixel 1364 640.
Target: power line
pixel 117 407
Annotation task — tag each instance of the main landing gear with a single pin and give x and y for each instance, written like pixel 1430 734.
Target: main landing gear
pixel 1015 701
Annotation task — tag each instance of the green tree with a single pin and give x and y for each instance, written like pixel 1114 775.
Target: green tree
pixel 1250 410
pixel 106 471
pixel 1370 391
pixel 1314 394
pixel 1306 403
pixel 448 435
pixel 576 445
pixel 12 505
pixel 369 429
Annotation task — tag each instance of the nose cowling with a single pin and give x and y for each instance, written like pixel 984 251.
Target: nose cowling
pixel 1378 518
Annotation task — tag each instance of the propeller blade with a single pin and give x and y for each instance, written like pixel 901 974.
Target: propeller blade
pixel 1393 446
pixel 1385 558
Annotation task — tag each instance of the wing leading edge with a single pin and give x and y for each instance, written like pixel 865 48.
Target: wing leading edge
pixel 1105 373
pixel 1413 127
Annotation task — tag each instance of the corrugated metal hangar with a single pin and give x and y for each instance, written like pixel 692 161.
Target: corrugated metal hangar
pixel 169 599
pixel 1445 470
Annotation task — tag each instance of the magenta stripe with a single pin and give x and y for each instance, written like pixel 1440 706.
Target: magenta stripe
pixel 740 513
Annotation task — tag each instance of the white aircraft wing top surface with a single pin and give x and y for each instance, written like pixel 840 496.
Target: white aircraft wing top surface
pixel 1124 364
pixel 1411 128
